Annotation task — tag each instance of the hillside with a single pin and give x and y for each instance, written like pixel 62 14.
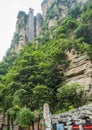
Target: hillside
pixel 48 62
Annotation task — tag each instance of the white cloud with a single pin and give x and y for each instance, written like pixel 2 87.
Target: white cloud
pixel 8 16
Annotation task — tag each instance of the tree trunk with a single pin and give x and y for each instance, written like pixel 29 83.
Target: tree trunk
pixel 8 122
pixel 12 125
pixel 32 125
pixel 22 128
pixel 38 123
pixel 2 122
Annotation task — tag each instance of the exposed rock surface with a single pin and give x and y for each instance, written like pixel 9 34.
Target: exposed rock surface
pixel 59 8
pixel 27 28
pixel 20 31
pixel 30 25
pixel 81 115
pixel 39 23
pixel 79 70
pixel 45 5
pixel 24 29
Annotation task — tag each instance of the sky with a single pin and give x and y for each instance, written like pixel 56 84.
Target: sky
pixel 8 16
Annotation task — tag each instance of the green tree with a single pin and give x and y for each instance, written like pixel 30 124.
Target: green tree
pixel 41 95
pixel 84 31
pixel 24 118
pixel 70 96
pixel 75 12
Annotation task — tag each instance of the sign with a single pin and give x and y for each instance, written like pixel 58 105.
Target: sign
pixel 47 116
pixel 86 127
pixel 60 126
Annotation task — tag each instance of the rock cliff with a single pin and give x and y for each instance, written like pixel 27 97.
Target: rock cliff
pixel 79 71
pixel 58 9
pixel 80 68
pixel 29 26
pixel 39 23
pixel 20 36
pixel 45 5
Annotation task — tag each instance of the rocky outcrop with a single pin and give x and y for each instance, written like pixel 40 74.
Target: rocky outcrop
pixel 39 23
pixel 79 70
pixel 27 28
pixel 20 33
pixel 45 5
pixel 23 29
pixel 56 10
pixel 30 26
pixel 79 116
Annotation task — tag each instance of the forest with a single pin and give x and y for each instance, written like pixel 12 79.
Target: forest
pixel 33 77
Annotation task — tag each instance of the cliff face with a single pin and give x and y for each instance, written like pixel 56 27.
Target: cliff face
pixel 54 10
pixel 30 26
pixel 45 5
pixel 20 32
pixel 79 71
pixel 80 68
pixel 39 23
pixel 27 28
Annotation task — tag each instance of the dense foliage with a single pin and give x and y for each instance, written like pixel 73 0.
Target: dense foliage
pixel 32 77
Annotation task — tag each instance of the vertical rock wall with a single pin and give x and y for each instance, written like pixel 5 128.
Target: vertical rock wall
pixel 27 28
pixel 60 8
pixel 39 23
pixel 79 71
pixel 20 31
pixel 45 5
pixel 30 26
